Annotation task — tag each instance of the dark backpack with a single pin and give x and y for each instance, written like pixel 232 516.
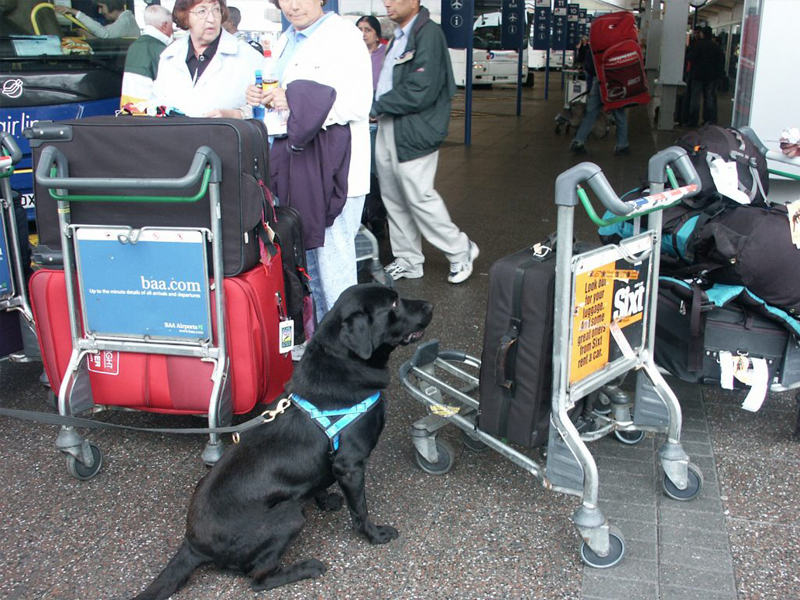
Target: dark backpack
pixel 288 228
pixel 711 141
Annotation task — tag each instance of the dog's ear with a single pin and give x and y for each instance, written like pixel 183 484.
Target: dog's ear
pixel 355 334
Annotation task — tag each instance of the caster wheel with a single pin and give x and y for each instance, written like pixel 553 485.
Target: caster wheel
pixel 602 404
pixel 472 444
pixel 691 491
pixel 441 466
pixel 80 471
pixel 615 553
pixel 629 437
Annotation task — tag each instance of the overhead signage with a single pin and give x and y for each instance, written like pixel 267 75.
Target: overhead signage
pixel 559 25
pixel 457 22
pixel 572 25
pixel 541 25
pixel 582 29
pixel 513 12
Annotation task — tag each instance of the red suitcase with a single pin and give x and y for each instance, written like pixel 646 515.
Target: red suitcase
pixel 177 384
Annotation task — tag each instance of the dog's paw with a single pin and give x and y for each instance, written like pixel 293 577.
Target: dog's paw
pixel 314 568
pixel 382 534
pixel 329 502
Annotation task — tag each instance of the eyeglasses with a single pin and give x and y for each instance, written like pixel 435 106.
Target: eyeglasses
pixel 202 13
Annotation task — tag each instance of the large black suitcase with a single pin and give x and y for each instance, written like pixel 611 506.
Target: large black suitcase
pixel 517 360
pixel 691 332
pixel 150 147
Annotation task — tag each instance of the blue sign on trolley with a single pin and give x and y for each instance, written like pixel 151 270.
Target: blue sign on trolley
pixel 6 282
pixel 156 287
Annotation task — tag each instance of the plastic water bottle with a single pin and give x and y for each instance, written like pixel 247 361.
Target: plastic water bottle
pixel 258 111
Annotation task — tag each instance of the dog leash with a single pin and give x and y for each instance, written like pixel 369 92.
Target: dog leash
pixel 39 417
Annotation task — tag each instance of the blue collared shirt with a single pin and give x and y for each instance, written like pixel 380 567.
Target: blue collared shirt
pixel 295 39
pixel 385 82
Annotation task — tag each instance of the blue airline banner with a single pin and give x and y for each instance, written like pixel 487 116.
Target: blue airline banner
pixel 541 25
pixel 559 25
pixel 6 283
pixel 572 26
pixel 157 287
pixel 513 24
pixel 457 21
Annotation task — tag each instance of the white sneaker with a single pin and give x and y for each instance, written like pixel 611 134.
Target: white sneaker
pixel 396 271
pixel 460 271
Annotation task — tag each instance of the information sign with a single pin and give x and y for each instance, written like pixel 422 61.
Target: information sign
pixel 457 22
pixel 572 25
pixel 513 13
pixel 541 25
pixel 156 287
pixel 560 25
pixel 582 29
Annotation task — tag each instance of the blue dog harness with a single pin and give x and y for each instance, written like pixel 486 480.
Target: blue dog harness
pixel 333 422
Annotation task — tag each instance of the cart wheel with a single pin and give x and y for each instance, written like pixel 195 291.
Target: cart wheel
pixel 629 437
pixel 80 471
pixel 615 553
pixel 472 444
pixel 691 491
pixel 441 466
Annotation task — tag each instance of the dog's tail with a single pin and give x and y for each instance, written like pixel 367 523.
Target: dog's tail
pixel 175 574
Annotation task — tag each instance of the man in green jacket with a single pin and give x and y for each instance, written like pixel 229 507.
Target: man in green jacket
pixel 412 103
pixel 141 63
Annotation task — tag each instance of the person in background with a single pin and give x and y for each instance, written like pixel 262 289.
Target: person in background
pixel 141 62
pixel 121 22
pixel 707 67
pixel 594 104
pixel 319 161
pixel 231 25
pixel 374 215
pixel 412 103
pixel 206 73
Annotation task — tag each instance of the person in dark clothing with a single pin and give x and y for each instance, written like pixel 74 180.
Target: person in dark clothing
pixel 707 63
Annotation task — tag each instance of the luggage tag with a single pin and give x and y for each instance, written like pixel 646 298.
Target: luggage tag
pixel 793 211
pixel 752 372
pixel 285 328
pixel 726 180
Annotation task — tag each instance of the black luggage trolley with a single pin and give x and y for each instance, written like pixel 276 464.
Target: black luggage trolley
pixel 570 468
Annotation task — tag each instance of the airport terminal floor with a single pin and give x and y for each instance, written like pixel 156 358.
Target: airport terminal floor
pixel 484 530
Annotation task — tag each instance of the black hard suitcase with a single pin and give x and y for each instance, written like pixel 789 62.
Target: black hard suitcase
pixel 150 147
pixel 691 332
pixel 517 360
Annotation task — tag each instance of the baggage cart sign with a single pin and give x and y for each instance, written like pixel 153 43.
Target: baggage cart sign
pixel 606 293
pixel 156 287
pixel 6 282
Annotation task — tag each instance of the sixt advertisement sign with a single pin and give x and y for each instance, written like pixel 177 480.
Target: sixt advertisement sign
pixel 156 287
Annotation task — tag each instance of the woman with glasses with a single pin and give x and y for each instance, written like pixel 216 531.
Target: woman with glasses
pixel 320 157
pixel 206 73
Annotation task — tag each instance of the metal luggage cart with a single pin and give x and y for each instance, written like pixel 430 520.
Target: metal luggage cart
pixel 13 288
pixel 575 95
pixel 432 374
pixel 95 331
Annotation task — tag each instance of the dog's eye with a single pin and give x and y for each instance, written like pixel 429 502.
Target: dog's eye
pixel 394 304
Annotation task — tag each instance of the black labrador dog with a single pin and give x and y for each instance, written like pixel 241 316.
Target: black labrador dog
pixel 248 509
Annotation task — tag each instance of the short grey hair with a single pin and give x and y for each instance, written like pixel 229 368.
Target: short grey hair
pixel 156 15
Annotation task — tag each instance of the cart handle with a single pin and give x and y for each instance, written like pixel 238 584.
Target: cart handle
pixel 771 154
pixel 11 155
pixel 206 165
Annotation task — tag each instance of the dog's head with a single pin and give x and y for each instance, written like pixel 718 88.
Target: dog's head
pixel 374 316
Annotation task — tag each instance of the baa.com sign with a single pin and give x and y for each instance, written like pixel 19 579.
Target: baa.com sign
pixel 156 288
